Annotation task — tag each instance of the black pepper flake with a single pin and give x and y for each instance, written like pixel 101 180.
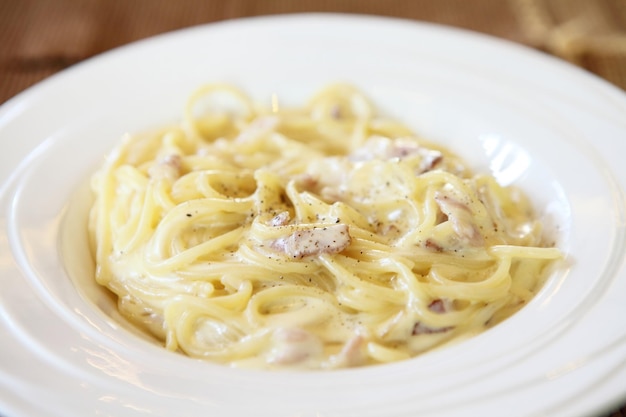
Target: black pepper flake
pixel 188 214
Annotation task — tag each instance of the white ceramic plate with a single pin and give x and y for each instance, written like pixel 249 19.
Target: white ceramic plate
pixel 529 119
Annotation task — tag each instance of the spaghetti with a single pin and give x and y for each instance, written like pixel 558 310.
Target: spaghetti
pixel 319 237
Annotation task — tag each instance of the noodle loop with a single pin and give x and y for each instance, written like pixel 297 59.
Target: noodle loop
pixel 317 237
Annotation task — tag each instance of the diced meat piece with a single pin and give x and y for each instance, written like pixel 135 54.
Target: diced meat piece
pixel 376 147
pixel 326 177
pixel 317 240
pixel 430 159
pixel 293 346
pixel 421 328
pixel 353 352
pixel 390 230
pixel 307 182
pixel 382 148
pixel 431 244
pixel 169 168
pixel 280 219
pixel 461 217
pixel 440 305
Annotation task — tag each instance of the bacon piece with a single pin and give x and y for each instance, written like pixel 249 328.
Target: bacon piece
pixel 293 346
pixel 421 328
pixel 378 147
pixel 439 306
pixel 431 244
pixel 461 217
pixel 314 241
pixel 308 182
pixel 353 352
pixel 325 178
pixel 280 219
pixel 430 159
pixel 335 112
pixel 169 167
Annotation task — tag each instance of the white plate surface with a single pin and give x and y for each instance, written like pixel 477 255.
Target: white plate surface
pixel 531 120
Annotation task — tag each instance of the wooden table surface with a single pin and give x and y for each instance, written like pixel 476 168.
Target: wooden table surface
pixel 41 37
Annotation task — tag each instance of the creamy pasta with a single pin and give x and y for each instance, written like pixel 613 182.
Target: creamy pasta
pixel 319 237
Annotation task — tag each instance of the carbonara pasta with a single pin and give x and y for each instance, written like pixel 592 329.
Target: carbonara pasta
pixel 318 237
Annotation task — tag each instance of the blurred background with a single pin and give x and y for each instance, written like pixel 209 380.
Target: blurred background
pixel 41 37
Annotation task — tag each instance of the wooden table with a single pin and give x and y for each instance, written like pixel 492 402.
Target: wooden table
pixel 41 37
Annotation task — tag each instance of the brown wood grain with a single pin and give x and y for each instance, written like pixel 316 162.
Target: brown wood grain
pixel 41 37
